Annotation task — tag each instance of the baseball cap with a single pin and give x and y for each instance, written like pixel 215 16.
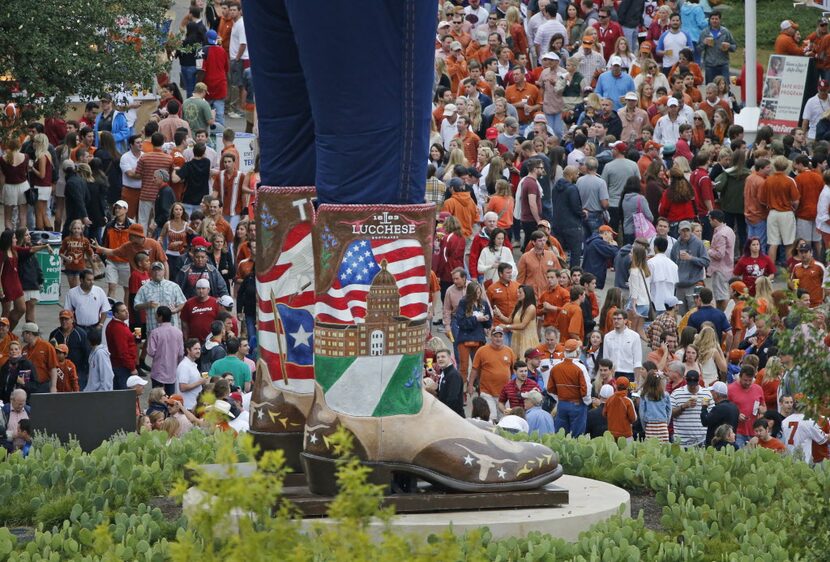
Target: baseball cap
pixel 222 407
pixel 175 398
pixel 684 225
pixel 203 284
pixel 491 133
pixel 543 222
pixel 450 109
pixel 455 183
pixel 671 301
pixel 508 121
pixel 739 287
pixel 588 41
pixel 539 118
pixel 533 354
pixel 200 242
pixel 787 24
pixel 646 46
pixel 92 105
pixel 672 102
pixel 121 203
pixel 211 36
pixel 455 46
pixel 804 247
pixel 497 330
pixel 514 424
pixel 62 348
pixel 226 300
pixel 621 382
pixel 571 345
pixel 135 229
pixel 106 97
pixel 823 84
pixel 615 61
pixel 692 375
pixel 669 149
pixel 66 314
pixel 443 23
pixel 68 165
pixel 607 391
pixel 606 228
pixel 157 265
pixel 653 144
pixel 30 327
pixel 533 395
pixel 135 380
pixel 632 96
pixel 736 355
pixel 620 146
pixel 720 387
pixel 550 55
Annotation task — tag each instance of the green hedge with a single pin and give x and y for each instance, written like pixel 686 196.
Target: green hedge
pixel 748 505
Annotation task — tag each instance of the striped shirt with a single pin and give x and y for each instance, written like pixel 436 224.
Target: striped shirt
pixel 146 167
pixel 165 293
pixel 688 428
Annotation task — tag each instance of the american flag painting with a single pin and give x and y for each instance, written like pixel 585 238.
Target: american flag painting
pixel 286 338
pixel 345 301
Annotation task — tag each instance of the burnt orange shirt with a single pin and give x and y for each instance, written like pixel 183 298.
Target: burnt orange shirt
pixel 43 357
pixel 129 250
pixel 786 45
pixel 773 444
pixel 809 184
pixel 504 298
pixel 811 279
pixel 567 382
pixel 528 92
pixel 494 367
pixel 533 269
pixel 570 322
pixel 780 192
pixel 558 297
pixel 74 250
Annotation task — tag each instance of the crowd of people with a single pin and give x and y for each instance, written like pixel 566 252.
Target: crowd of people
pixel 569 141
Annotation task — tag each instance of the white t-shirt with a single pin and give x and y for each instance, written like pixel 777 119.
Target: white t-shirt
pixel 187 373
pixel 237 40
pixel 128 163
pixel 813 110
pixel 799 434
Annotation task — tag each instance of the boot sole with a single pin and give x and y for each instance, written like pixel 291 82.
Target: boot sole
pixel 321 477
pixel 290 443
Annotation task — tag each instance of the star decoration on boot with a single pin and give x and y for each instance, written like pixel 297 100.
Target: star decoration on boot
pixel 312 438
pixel 260 414
pixel 468 460
pixel 501 472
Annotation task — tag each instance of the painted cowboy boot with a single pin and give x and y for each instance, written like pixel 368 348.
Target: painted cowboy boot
pixel 370 327
pixel 284 386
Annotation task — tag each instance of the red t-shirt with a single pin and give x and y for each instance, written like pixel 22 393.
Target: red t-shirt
pixel 198 315
pixel 750 269
pixel 745 401
pixel 137 280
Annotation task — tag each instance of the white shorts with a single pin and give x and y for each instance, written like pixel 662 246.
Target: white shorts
pixel 44 193
pixel 780 228
pixel 720 286
pixel 807 230
pixel 15 193
pixel 31 295
pixel 117 273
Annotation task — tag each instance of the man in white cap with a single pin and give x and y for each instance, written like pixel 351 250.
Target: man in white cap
pixel 667 130
pixel 449 128
pixel 117 270
pixel 723 411
pixel 633 118
pixel 615 83
pixel 597 424
pixel 137 384
pixel 199 312
pixel 537 419
pixel 785 43
pixel 551 83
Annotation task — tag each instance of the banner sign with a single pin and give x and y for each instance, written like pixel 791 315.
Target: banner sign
pixel 784 92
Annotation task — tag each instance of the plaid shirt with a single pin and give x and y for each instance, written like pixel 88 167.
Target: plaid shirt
pixel 667 321
pixel 435 192
pixel 510 393
pixel 165 293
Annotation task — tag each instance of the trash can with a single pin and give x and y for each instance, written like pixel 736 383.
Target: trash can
pixel 50 264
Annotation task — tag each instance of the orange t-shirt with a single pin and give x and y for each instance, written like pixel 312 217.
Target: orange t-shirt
pixel 43 357
pixel 571 322
pixel 494 367
pixel 779 192
pixel 434 285
pixel 809 184
pixel 558 297
pixel 129 250
pixel 773 444
pixel 504 298
pixel 67 377
pixel 74 250
pixel 533 269
pixel 811 279
pixel 608 321
pixel 528 92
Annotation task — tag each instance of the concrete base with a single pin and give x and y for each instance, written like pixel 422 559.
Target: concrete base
pixel 591 501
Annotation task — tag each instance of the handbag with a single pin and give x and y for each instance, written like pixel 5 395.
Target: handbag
pixel 652 312
pixel 642 226
pixel 31 196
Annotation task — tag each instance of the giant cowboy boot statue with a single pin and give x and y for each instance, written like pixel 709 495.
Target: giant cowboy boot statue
pixel 284 385
pixel 370 328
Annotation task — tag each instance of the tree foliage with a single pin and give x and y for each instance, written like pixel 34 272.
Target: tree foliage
pixel 52 50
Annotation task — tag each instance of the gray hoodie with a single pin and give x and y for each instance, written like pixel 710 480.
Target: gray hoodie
pixel 690 271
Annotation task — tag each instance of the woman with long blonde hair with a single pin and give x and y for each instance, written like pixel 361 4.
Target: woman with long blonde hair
pixel 14 168
pixel 41 179
pixel 456 158
pixel 516 30
pixel 710 355
pixel 639 276
pixel 474 116
pixel 623 50
pixel 763 293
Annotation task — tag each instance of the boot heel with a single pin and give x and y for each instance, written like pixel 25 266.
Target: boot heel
pixel 290 443
pixel 321 475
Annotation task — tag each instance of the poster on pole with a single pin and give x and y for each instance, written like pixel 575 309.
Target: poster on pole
pixel 784 90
